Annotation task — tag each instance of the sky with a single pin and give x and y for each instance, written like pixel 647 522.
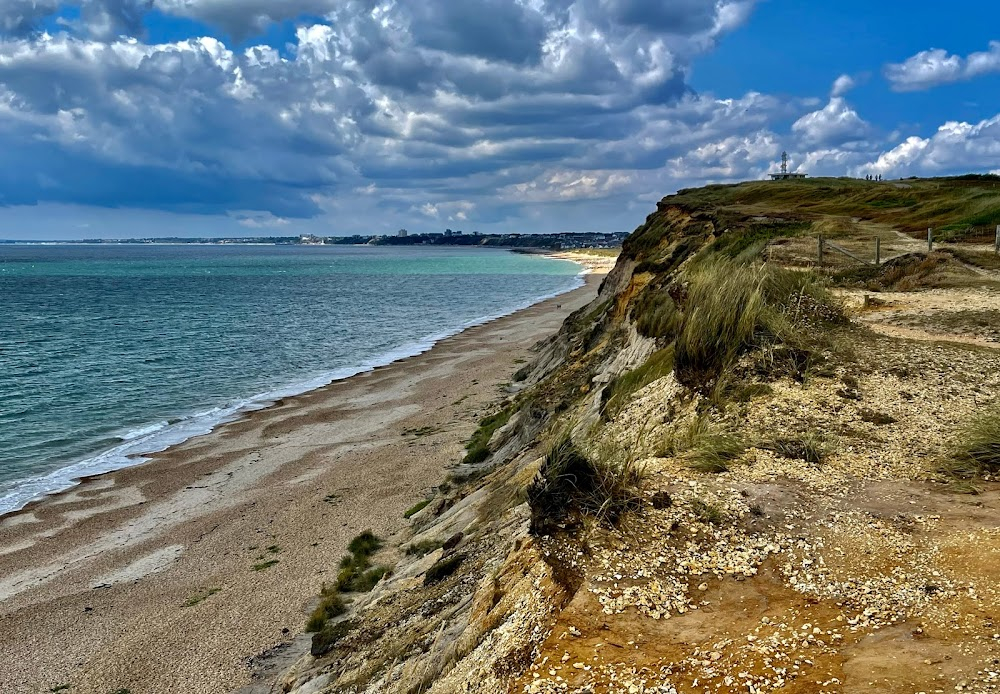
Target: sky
pixel 143 118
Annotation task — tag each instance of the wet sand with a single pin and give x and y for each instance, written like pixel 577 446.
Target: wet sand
pixel 170 576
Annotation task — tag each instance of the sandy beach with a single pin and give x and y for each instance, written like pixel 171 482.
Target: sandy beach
pixel 171 576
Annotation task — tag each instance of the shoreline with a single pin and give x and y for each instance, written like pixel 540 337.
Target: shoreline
pixel 144 577
pixel 130 452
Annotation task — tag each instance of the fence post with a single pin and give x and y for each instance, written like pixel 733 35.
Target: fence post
pixel 996 244
pixel 821 246
pixel 930 239
pixel 878 251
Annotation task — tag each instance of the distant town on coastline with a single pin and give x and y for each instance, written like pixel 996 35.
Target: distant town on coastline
pixel 560 241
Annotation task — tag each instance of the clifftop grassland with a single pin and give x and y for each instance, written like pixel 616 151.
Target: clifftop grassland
pixel 735 471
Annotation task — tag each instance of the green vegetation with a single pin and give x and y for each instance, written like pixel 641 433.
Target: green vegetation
pixel 962 206
pixel 751 239
pixel 201 596
pixel 976 448
pixel 477 449
pixel 264 565
pixel 905 273
pixel 704 446
pixel 810 447
pixel 980 259
pixel 708 513
pixel 422 548
pixel 655 314
pixel 735 307
pixel 416 508
pixel 324 640
pixel 443 568
pixel 617 393
pixel 571 483
pixel 330 605
pixel 356 573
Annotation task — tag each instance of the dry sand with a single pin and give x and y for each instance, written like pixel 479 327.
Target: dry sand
pixel 159 578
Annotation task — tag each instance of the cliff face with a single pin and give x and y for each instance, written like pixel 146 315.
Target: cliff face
pixel 723 473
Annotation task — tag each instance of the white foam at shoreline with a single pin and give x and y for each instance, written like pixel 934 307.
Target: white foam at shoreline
pixel 159 436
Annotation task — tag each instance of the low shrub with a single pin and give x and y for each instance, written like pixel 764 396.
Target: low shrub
pixel 656 314
pixel 422 548
pixel 324 640
pixel 356 573
pixel 708 513
pixel 365 544
pixel 443 568
pixel 617 393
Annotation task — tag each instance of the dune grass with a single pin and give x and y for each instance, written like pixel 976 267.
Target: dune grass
pixel 704 445
pixel 571 483
pixel 330 605
pixel 356 574
pixel 477 449
pixel 975 451
pixel 811 447
pixel 422 548
pixel 733 307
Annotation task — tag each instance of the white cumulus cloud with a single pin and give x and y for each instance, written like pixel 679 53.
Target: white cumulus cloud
pixel 935 67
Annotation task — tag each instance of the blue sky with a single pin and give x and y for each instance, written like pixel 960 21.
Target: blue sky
pixel 126 118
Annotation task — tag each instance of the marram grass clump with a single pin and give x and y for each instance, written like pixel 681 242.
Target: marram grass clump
pixel 704 445
pixel 572 484
pixel 356 574
pixel 976 448
pixel 732 307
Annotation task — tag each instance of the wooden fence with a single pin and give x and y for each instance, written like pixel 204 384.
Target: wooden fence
pixel 824 245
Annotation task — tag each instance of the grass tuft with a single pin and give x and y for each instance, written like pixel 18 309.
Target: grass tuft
pixel 443 568
pixel 422 548
pixel 201 597
pixel 356 574
pixel 265 565
pixel 571 483
pixel 976 450
pixel 416 508
pixel 708 513
pixel 704 446
pixel 810 447
pixel 477 449
pixel 324 640
pixel 617 393
pixel 330 605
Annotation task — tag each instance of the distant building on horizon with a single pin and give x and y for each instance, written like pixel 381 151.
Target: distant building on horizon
pixel 784 175
pixel 402 233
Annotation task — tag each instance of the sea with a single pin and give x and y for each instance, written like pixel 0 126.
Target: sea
pixel 112 351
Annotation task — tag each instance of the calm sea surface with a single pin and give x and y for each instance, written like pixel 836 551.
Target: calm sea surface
pixel 111 351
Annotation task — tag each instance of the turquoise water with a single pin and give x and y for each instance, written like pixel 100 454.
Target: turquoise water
pixel 108 352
